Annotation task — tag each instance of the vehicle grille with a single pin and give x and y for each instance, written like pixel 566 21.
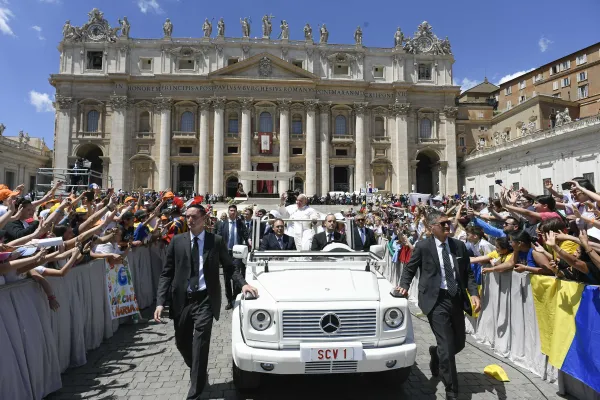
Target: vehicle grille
pixel 330 367
pixel 300 324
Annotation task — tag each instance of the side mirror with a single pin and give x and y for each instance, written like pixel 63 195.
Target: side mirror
pixel 240 251
pixel 378 250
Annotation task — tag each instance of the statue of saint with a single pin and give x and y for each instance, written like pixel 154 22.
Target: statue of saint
pixel 2 129
pixel 207 28
pixel 307 32
pixel 168 28
pixel 358 35
pixel 245 27
pixel 285 30
pixel 267 26
pixel 221 27
pixel 324 36
pixel 125 27
pixel 398 38
pixel 67 30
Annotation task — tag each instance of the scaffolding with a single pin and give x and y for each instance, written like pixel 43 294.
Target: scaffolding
pixel 79 179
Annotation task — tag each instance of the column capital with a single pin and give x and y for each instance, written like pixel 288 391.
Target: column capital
pixel 332 166
pixel 63 102
pixel 399 108
pixel 163 103
pixel 284 104
pixel 351 167
pixel 204 103
pixel 196 165
pixel 443 165
pixel 325 107
pixel 254 165
pixel 311 104
pixel 246 102
pixel 175 164
pixel 219 102
pixel 450 112
pixel 119 102
pixel 360 107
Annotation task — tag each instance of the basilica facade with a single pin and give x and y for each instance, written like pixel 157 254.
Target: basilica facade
pixel 190 114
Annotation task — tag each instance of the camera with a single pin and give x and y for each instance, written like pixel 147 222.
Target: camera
pixel 566 186
pixel 498 181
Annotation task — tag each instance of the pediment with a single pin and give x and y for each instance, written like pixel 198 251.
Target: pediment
pixel 264 66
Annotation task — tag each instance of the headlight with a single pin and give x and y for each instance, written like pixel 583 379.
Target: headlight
pixel 393 317
pixel 260 320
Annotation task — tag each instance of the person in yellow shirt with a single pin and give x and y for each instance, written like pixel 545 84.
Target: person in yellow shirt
pixel 499 258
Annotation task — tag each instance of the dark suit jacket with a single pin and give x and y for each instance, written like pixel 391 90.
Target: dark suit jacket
pixel 269 242
pixel 15 230
pixel 425 258
pixel 176 272
pixel 265 229
pixel 241 232
pixel 320 240
pixel 369 240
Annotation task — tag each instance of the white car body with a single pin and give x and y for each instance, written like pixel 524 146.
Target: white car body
pixel 326 314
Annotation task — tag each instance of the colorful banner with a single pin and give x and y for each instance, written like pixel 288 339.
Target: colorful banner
pixel 568 320
pixel 265 142
pixel 121 295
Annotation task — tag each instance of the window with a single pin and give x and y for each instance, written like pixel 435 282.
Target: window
pixel 521 99
pixel 555 85
pixel 556 95
pixel 378 72
pixel 522 84
pixel 565 65
pixel 296 124
pixel 554 70
pixel 296 151
pixel 582 59
pixel 233 60
pixel 582 92
pixel 341 69
pixel 187 122
pixel 232 149
pixel 424 72
pixel 93 117
pixel 144 122
pixel 425 129
pixel 379 126
pixel 146 64
pixel 233 124
pixel 265 122
pixel 565 82
pixel 341 152
pixel 340 125
pixel 590 177
pixel 9 179
pixel 186 64
pixel 94 60
pixel 507 90
pixel 297 63
pixel 480 115
pixel 508 104
pixel 482 128
pixel 461 141
pixel 31 183
pixel 515 186
pixel 582 76
pixel 185 150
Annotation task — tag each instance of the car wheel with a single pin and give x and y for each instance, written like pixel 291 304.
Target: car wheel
pixel 394 377
pixel 245 380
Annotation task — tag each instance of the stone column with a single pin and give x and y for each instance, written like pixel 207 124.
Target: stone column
pixel 361 178
pixel 175 177
pixel 413 175
pixel 195 187
pixel 442 175
pixel 351 178
pixel 449 119
pixel 284 141
pixel 203 158
pixel 218 150
pixel 254 184
pixel 63 131
pixel 400 111
pixel 324 108
pixel 163 105
pixel 246 139
pixel 331 180
pixel 118 143
pixel 311 148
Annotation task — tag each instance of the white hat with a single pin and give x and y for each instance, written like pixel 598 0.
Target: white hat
pixel 275 213
pixel 481 200
pixel 339 217
pixel 437 198
pixel 594 232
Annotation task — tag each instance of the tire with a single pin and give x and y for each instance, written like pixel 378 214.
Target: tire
pixel 394 377
pixel 245 380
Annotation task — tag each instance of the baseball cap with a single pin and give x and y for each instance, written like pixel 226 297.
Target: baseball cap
pixel 481 200
pixel 128 199
pixel 168 195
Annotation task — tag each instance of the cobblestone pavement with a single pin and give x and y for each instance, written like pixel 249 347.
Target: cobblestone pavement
pixel 142 361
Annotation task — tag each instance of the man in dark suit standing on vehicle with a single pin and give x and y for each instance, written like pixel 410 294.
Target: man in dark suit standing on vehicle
pixel 191 274
pixel 445 276
pixel 320 240
pixel 363 237
pixel 277 240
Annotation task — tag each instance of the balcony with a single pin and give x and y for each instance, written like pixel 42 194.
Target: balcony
pixel 427 141
pixel 189 137
pixel 342 139
pixel 144 135
pixel 381 140
pixel 90 135
pixel 232 135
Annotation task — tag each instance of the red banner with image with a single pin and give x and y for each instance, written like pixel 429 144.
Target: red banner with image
pixel 265 139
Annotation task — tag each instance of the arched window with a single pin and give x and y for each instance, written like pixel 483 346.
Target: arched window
pixel 297 124
pixel 233 123
pixel 92 121
pixel 187 122
pixel 340 125
pixel 425 129
pixel 265 122
pixel 145 121
pixel 379 126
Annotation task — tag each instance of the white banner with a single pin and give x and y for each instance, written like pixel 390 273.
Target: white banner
pixel 415 198
pixel 265 143
pixel 121 295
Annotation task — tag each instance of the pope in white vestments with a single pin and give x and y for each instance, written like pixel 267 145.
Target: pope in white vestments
pixel 300 211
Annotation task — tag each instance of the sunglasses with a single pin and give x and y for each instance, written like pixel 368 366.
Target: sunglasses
pixel 444 223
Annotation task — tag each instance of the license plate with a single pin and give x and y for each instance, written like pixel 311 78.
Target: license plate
pixel 332 354
pixel 339 351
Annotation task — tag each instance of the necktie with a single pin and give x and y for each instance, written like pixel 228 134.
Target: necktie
pixel 362 235
pixel 280 243
pixel 450 281
pixel 195 265
pixel 231 241
pixel 330 238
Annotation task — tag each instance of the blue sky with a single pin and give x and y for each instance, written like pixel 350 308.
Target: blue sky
pixel 493 39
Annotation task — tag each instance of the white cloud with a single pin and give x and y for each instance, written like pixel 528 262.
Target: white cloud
pixel 149 5
pixel 467 84
pixel 5 16
pixel 39 31
pixel 544 43
pixel 509 77
pixel 41 101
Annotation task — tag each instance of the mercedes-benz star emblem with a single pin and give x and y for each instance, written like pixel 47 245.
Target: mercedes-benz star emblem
pixel 330 323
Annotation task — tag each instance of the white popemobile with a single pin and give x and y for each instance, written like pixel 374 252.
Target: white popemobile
pixel 319 313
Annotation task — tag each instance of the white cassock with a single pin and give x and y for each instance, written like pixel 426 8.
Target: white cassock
pixel 296 229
